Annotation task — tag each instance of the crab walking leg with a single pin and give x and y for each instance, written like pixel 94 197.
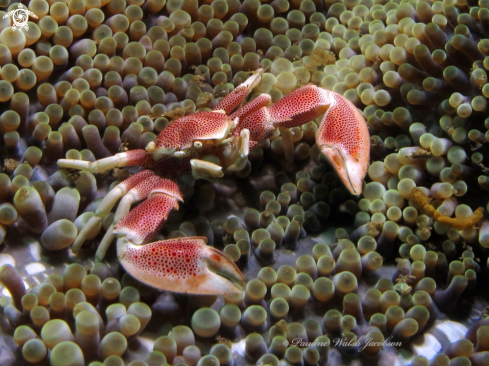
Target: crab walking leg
pixel 237 96
pixel 92 227
pixel 133 157
pixel 288 146
pixel 143 222
pixel 202 169
pixel 185 265
pixel 139 192
pixel 342 136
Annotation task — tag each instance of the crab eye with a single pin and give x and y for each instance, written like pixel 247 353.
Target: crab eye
pixel 198 145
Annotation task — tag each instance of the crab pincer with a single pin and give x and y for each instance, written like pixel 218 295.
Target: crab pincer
pixel 344 140
pixel 184 265
pixel 342 136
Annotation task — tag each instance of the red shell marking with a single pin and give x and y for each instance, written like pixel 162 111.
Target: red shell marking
pixel 156 184
pixel 139 157
pixel 258 124
pixel 343 125
pixel 173 167
pixel 233 99
pixel 259 102
pixel 175 258
pixel 181 133
pixel 144 221
pixel 144 188
pixel 168 187
pixel 299 107
pixel 139 177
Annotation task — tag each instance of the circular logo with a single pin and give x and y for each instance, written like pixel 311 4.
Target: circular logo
pixel 20 17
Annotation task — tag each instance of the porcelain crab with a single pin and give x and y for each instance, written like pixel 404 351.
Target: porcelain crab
pixel 205 145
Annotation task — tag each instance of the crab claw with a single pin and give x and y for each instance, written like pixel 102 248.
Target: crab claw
pixel 181 134
pixel 185 265
pixel 344 140
pixel 342 136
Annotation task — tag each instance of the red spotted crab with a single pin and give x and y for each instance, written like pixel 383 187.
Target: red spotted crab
pixel 205 145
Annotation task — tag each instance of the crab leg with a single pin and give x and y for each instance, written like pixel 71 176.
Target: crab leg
pixel 133 157
pixel 143 222
pixel 342 136
pixel 254 117
pixel 92 227
pixel 260 101
pixel 185 265
pixel 237 96
pixel 141 191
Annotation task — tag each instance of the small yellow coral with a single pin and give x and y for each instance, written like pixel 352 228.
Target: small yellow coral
pixel 10 165
pixel 320 57
pixel 457 223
